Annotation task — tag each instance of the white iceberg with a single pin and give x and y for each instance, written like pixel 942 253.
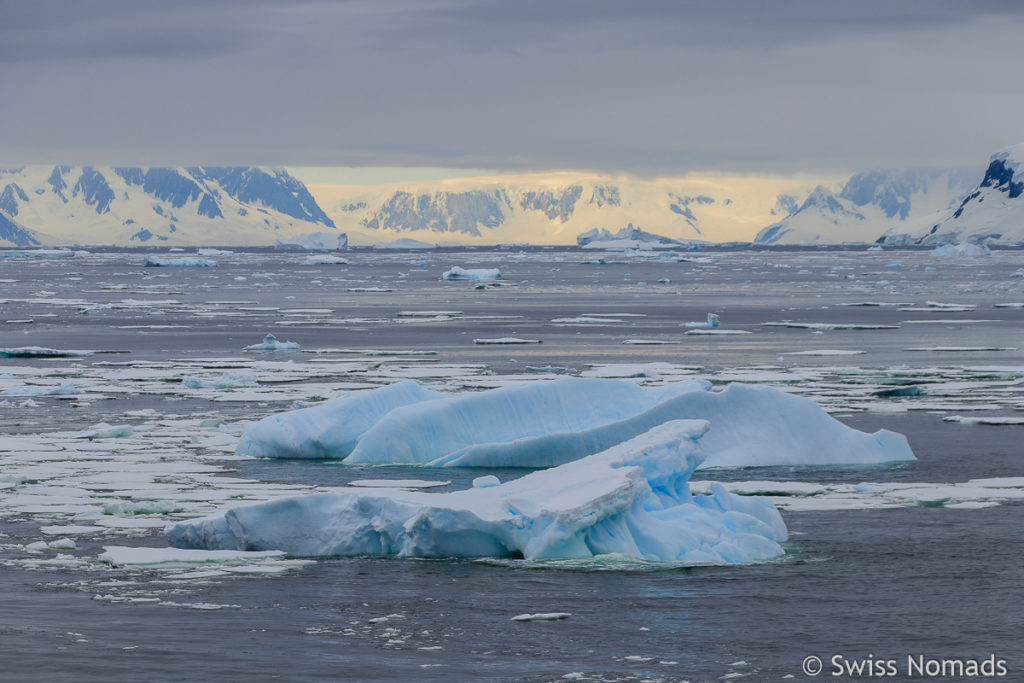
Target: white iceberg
pixel 183 262
pixel 270 343
pixel 328 430
pixel 633 499
pixel 551 422
pixel 459 273
pixel 324 260
pixel 964 250
pixel 315 241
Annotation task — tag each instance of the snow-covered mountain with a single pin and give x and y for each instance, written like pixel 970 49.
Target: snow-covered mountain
pixel 993 212
pixel 867 205
pixel 554 208
pixel 208 205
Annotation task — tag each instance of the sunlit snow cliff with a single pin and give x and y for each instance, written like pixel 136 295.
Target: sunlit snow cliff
pixel 126 206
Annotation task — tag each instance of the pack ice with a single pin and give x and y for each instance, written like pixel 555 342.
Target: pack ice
pixel 631 499
pixel 552 422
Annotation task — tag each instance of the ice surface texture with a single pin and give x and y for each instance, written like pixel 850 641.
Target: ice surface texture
pixel 632 499
pixel 548 423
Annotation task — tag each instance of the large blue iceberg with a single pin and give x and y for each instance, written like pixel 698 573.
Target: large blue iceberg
pixel 548 423
pixel 631 499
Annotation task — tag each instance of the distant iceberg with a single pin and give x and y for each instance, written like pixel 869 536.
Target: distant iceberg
pixel 551 422
pixel 633 499
pixel 964 250
pixel 315 241
pixel 458 273
pixel 183 262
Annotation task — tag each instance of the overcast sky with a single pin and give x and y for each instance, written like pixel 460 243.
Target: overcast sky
pixel 628 86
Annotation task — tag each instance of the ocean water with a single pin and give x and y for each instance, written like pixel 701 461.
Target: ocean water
pixel 886 562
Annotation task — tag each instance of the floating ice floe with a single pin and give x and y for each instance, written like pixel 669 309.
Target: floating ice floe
pixel 800 496
pixel 823 352
pixel 270 343
pixel 229 380
pixel 65 389
pixel 938 307
pixel 964 250
pixel 991 420
pixel 713 321
pixel 831 326
pixel 458 273
pixel 632 499
pixel 40 352
pixel 716 330
pixel 960 349
pixel 324 260
pixel 506 340
pixel 550 422
pixel 183 262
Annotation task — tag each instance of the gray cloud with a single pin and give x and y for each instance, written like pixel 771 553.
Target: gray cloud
pixel 646 87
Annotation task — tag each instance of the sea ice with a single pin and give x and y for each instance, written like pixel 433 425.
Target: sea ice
pixel 458 273
pixel 506 340
pixel 632 499
pixel 324 260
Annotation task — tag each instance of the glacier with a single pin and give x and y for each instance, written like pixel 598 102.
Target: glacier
pixel 633 499
pixel 545 423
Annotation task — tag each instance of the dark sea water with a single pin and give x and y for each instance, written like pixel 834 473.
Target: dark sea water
pixel 868 582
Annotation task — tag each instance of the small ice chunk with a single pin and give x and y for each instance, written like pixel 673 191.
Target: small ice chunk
pixel 507 340
pixel 486 481
pixel 270 343
pixel 459 273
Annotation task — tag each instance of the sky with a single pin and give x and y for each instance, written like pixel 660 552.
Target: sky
pixel 638 87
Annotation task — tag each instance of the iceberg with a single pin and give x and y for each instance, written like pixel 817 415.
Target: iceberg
pixel 328 430
pixel 315 241
pixel 963 250
pixel 458 273
pixel 545 423
pixel 183 262
pixel 633 499
pixel 270 343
